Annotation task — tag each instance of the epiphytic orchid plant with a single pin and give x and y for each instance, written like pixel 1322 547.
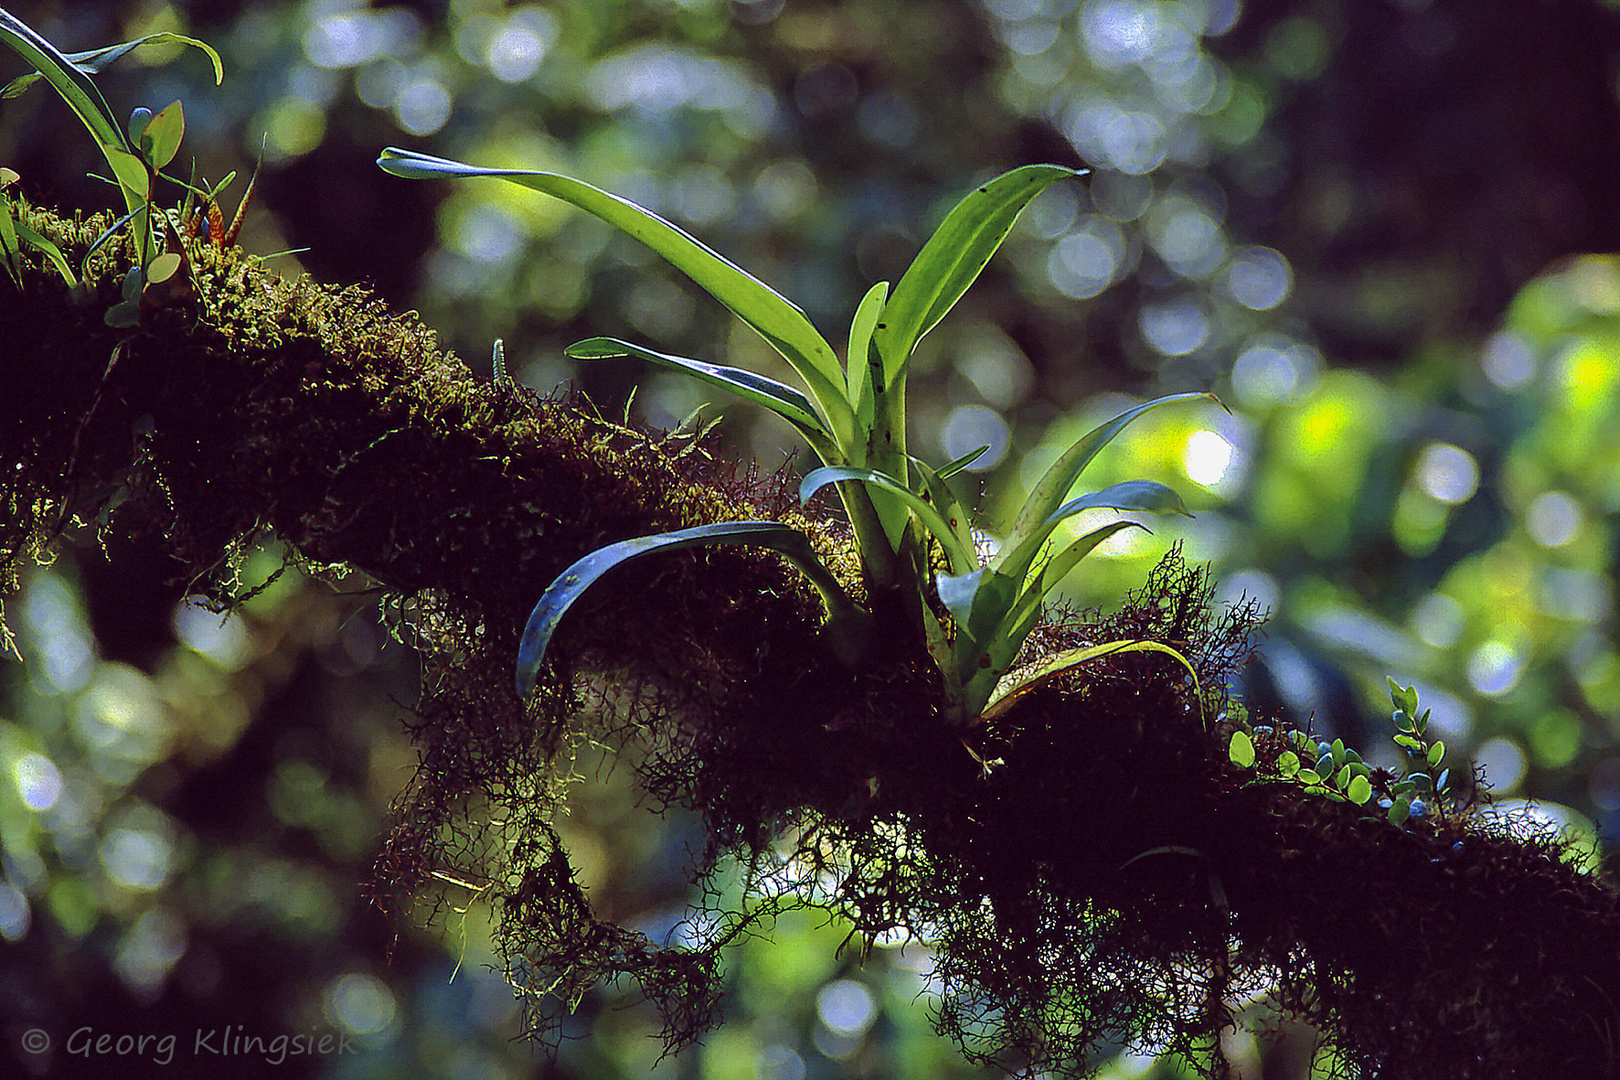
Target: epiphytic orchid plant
pixel 852 414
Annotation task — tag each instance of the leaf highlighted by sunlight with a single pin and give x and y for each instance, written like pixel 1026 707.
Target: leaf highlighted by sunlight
pixel 954 256
pixel 774 317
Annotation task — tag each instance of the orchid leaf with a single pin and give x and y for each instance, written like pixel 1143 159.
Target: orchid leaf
pixel 962 559
pixel 774 317
pixel 858 369
pixel 951 510
pixel 1061 663
pixel 784 400
pixel 10 253
pixel 954 256
pixel 951 468
pixel 1025 538
pixel 1148 495
pixel 571 584
pixel 1059 566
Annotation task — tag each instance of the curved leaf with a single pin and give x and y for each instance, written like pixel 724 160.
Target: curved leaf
pixel 950 508
pixel 10 253
pixel 953 257
pixel 1058 566
pixel 67 78
pixel 773 316
pixel 857 362
pixel 780 398
pixel 93 61
pixel 1148 495
pixel 1069 658
pixel 961 559
pixel 951 468
pixel 572 582
pixel 1024 540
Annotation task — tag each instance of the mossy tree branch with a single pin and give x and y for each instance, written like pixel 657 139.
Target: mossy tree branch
pixel 1110 873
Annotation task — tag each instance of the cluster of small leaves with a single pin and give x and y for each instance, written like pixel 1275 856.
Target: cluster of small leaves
pixel 1410 797
pixel 136 153
pixel 1334 771
pixel 1331 770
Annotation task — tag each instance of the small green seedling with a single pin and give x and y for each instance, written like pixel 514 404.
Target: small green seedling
pixel 1416 795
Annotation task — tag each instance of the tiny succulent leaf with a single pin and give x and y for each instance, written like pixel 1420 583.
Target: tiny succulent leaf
pixel 1405 698
pixel 139 118
pixel 161 139
pixel 131 172
pixel 162 268
pixel 1287 763
pixel 954 256
pixel 1241 750
pixel 773 316
pixel 571 584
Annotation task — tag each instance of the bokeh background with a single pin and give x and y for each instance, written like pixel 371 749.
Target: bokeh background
pixel 1380 230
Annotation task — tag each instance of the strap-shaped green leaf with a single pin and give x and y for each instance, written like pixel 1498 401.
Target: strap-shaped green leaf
pixel 1070 658
pixel 1148 495
pixel 1058 566
pixel 1025 538
pixel 1001 614
pixel 979 602
pixel 572 582
pixel 772 315
pixel 962 559
pixel 1020 618
pixel 10 253
pixel 1145 495
pixel 953 257
pixel 780 398
pixel 858 370
pixel 45 245
pixel 950 508
pixel 93 61
pixel 66 77
pixel 951 468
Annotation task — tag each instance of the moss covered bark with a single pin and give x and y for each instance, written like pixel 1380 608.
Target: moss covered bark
pixel 1091 867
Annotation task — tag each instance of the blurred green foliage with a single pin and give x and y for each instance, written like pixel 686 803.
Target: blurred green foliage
pixel 1354 222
